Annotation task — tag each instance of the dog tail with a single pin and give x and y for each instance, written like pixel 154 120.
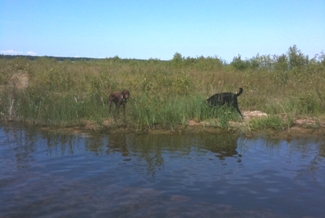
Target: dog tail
pixel 240 91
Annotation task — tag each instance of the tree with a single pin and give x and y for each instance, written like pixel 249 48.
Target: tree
pixel 296 59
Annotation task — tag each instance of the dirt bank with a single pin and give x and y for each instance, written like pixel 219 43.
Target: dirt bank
pixel 301 127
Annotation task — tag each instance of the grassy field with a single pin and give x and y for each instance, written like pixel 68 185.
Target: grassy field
pixel 164 94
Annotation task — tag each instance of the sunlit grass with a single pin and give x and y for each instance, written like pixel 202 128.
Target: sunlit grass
pixel 163 93
pixel 270 122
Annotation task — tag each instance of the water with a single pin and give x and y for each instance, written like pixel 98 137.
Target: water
pixel 48 174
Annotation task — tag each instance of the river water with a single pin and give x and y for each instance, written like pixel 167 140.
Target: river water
pixel 51 174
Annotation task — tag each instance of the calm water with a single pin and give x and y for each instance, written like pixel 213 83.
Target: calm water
pixel 46 174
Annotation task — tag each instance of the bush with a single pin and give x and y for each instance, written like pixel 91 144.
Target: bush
pixel 167 93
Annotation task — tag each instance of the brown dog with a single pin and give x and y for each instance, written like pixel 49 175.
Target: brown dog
pixel 119 98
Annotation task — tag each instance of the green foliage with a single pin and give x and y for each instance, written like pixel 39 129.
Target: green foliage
pixel 240 64
pixel 297 61
pixel 270 122
pixel 164 93
pixel 281 63
pixel 177 59
pixel 309 104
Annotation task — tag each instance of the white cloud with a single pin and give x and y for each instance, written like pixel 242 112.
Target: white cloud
pixel 31 53
pixel 11 52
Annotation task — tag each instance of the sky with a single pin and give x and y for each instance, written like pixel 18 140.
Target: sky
pixel 145 29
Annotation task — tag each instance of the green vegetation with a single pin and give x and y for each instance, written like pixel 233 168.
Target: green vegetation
pixel 271 122
pixel 163 93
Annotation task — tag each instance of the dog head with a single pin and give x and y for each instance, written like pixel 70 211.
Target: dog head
pixel 125 94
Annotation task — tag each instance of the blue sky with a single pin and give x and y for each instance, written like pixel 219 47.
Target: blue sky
pixel 145 29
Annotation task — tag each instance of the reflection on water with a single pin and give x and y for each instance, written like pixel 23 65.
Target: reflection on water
pixel 48 174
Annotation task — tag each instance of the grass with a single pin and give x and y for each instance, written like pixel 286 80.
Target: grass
pixel 271 122
pixel 163 93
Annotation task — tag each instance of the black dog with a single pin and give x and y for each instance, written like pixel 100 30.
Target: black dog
pixel 229 98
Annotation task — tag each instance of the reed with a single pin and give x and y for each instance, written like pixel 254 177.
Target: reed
pixel 271 122
pixel 163 93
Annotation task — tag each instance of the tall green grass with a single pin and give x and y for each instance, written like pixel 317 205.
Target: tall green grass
pixel 163 93
pixel 271 122
pixel 177 110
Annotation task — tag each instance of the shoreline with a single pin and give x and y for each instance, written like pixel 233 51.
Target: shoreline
pixel 299 128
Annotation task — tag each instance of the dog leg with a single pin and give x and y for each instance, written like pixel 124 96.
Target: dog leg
pixel 109 107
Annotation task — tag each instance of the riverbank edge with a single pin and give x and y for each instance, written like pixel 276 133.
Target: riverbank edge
pixel 299 127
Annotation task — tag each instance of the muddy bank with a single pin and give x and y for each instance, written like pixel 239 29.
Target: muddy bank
pixel 295 131
pixel 301 127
